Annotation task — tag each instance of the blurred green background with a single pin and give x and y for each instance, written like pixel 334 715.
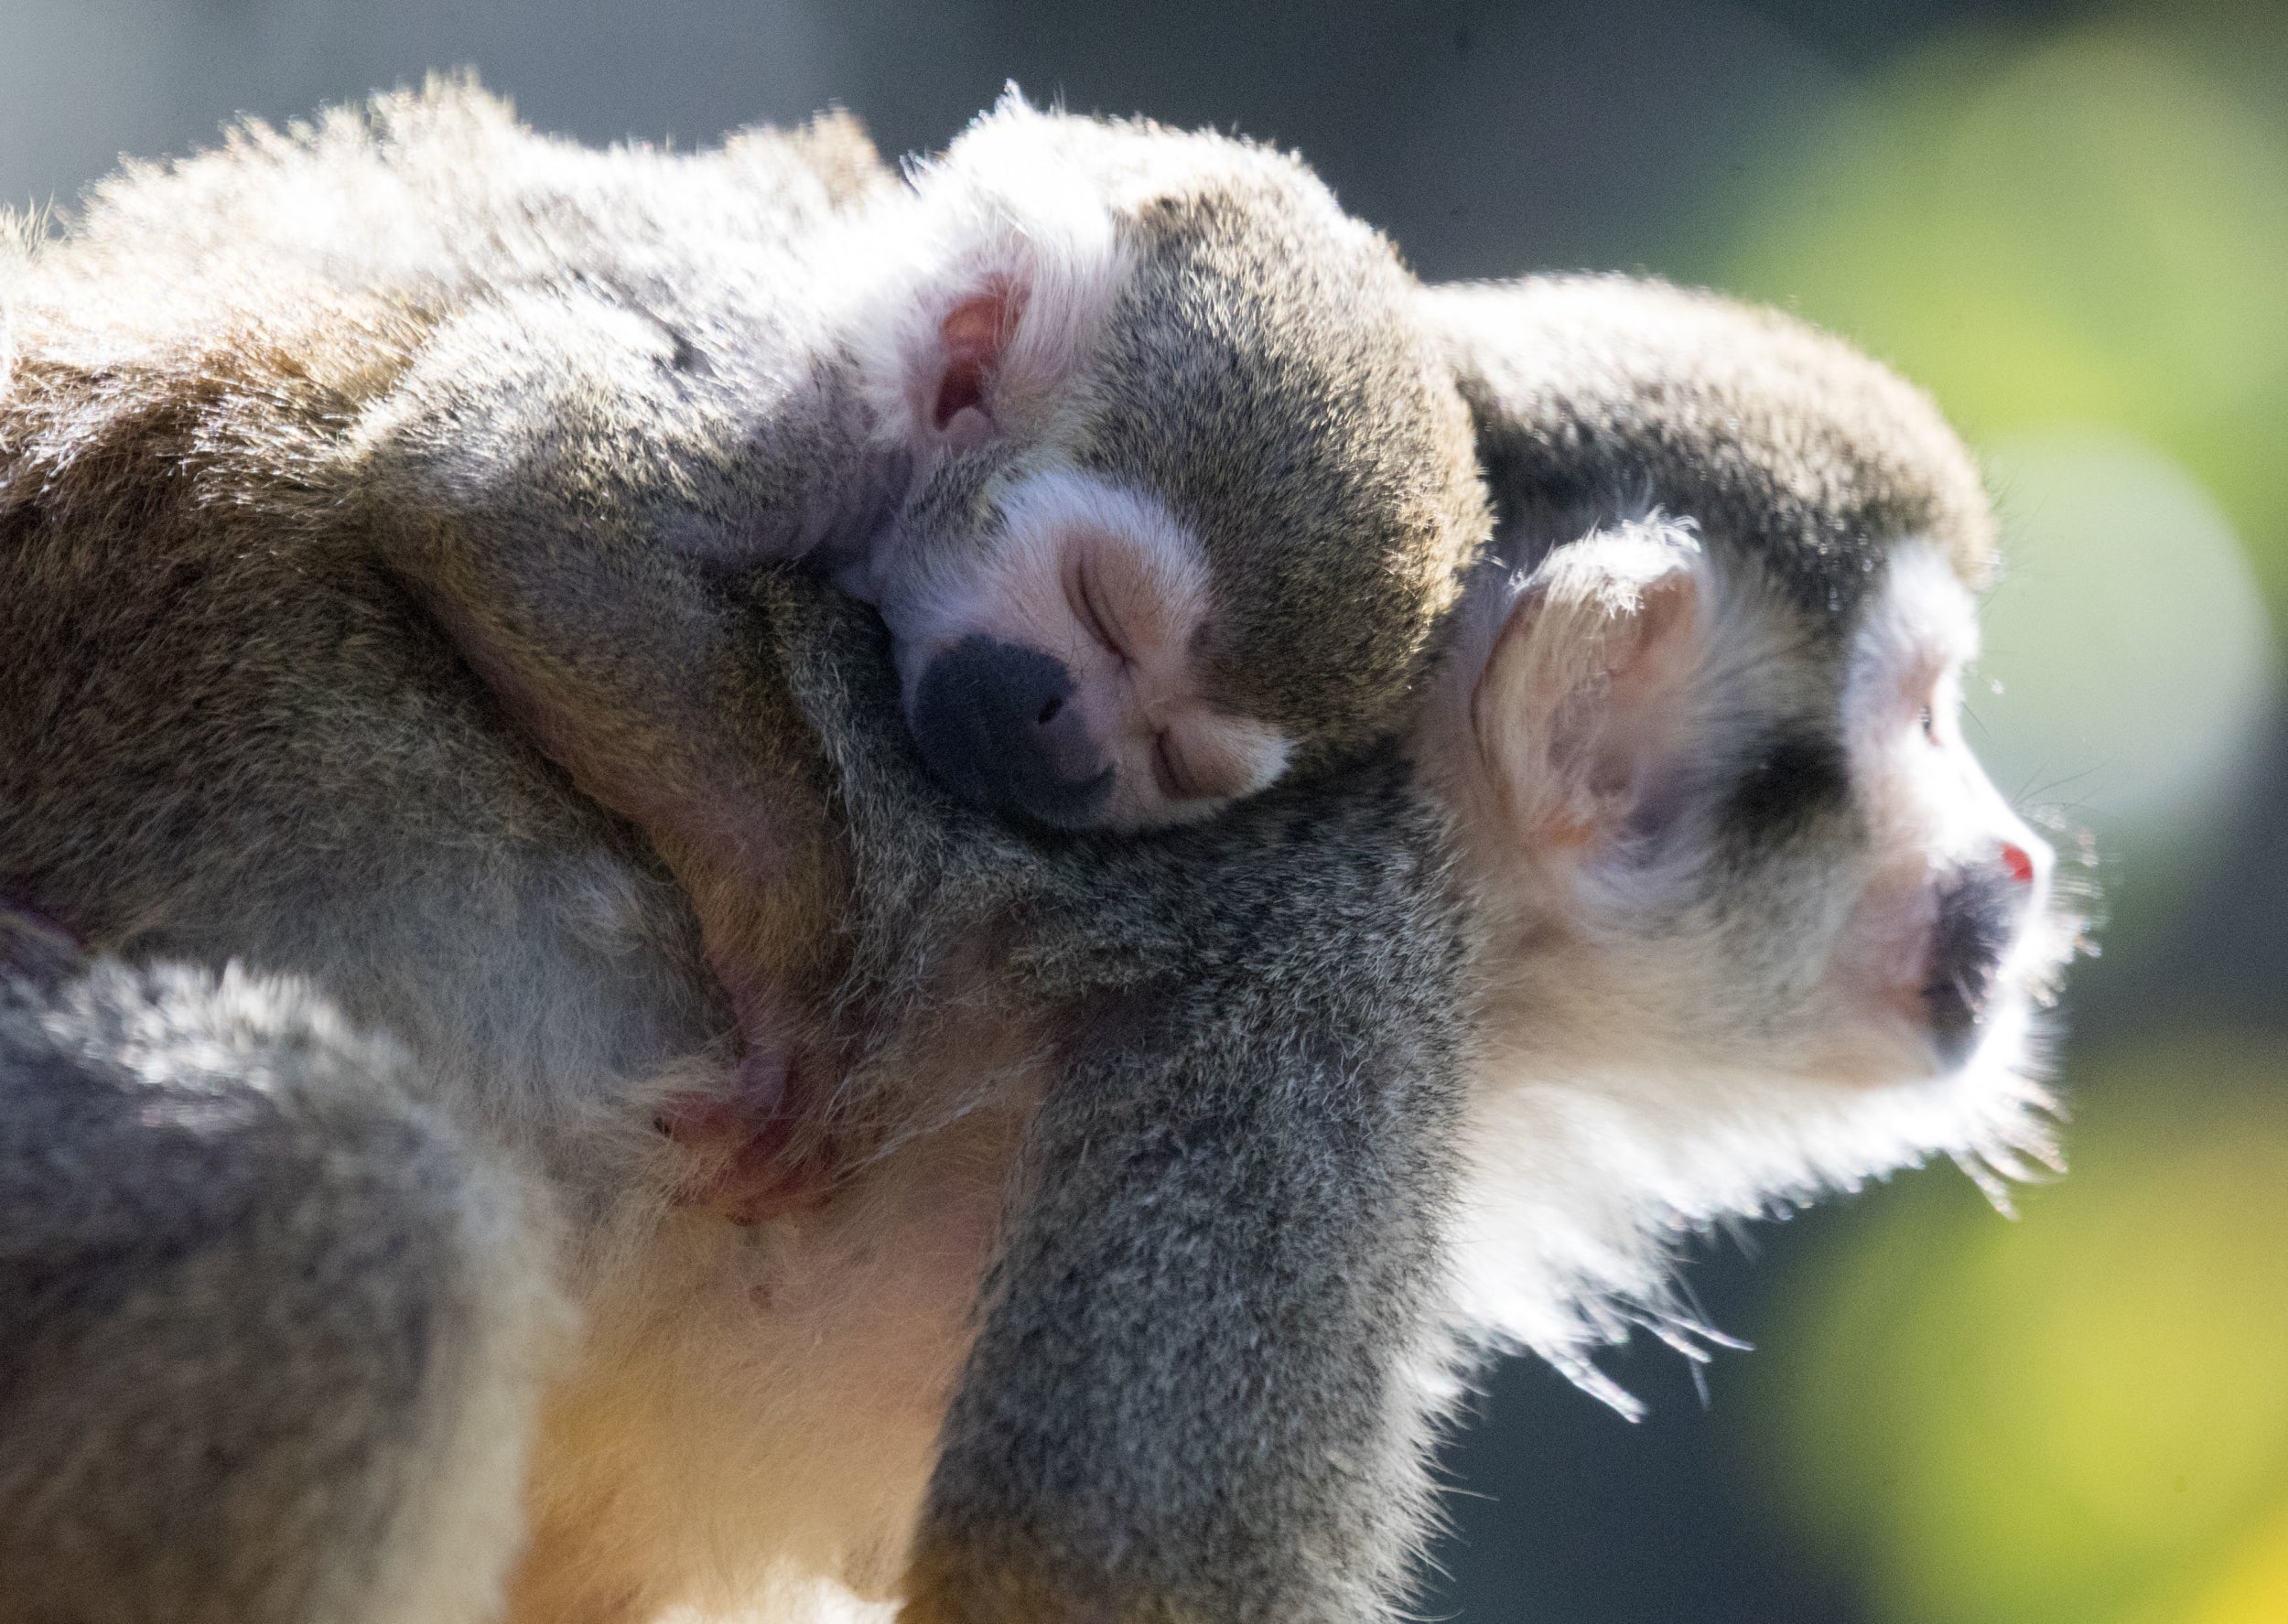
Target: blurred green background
pixel 2072 223
pixel 2075 232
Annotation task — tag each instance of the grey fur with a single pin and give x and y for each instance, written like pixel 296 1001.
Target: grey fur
pixel 1204 1375
pixel 1198 1391
pixel 1604 398
pixel 248 1291
pixel 227 736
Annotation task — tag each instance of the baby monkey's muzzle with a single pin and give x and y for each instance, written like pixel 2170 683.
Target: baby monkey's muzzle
pixel 996 720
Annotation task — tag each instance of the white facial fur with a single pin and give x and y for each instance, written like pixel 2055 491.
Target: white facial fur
pixel 1935 812
pixel 1004 211
pixel 1645 1068
pixel 1112 585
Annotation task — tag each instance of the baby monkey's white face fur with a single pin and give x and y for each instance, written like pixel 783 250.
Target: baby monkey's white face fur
pixel 1056 676
pixel 1187 490
pixel 1752 920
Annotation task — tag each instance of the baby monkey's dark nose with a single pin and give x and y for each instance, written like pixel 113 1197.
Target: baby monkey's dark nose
pixel 1979 914
pixel 996 722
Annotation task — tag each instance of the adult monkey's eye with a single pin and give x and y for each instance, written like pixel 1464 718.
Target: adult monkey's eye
pixel 1926 688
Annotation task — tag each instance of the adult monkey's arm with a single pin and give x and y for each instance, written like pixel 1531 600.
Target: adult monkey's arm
pixel 1202 1383
pixel 1199 1392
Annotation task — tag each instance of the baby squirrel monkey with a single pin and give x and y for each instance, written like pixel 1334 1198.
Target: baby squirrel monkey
pixel 1128 433
pixel 1125 431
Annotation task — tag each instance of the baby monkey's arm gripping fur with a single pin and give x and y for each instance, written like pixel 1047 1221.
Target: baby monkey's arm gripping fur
pixel 1213 1412
pixel 534 536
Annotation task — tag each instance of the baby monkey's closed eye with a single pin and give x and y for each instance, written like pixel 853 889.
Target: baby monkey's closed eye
pixel 1063 678
pixel 1101 585
pixel 1081 592
pixel 1174 777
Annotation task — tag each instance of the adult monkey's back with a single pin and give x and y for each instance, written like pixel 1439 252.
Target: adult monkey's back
pixel 225 737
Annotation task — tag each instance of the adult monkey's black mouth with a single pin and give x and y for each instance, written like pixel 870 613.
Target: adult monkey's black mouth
pixel 1978 914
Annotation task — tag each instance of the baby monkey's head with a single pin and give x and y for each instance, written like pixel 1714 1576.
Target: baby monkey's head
pixel 1189 490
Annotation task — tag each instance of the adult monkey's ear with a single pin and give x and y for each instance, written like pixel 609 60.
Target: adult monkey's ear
pixel 1583 688
pixel 1566 661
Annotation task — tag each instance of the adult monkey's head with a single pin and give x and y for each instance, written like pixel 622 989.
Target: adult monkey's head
pixel 1752 920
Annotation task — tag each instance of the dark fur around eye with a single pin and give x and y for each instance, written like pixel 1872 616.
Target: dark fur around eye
pixel 1787 781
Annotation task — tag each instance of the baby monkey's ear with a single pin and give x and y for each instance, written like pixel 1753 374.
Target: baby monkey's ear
pixel 995 333
pixel 958 374
pixel 1583 692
